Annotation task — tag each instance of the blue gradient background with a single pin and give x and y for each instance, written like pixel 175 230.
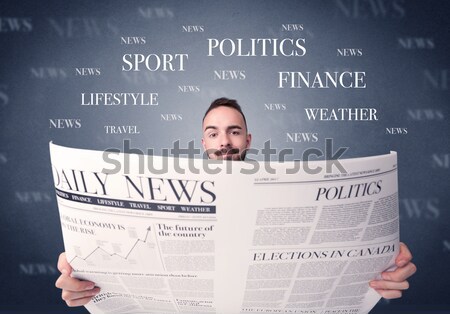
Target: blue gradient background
pixel 398 81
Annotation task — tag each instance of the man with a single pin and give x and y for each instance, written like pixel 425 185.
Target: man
pixel 225 136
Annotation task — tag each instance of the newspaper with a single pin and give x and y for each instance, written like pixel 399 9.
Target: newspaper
pixel 227 237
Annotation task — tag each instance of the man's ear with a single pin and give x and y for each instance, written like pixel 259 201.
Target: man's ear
pixel 203 144
pixel 249 140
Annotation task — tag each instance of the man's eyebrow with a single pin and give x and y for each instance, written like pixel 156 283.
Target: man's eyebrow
pixel 210 127
pixel 230 127
pixel 234 127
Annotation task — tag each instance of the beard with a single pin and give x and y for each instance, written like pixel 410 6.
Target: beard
pixel 229 154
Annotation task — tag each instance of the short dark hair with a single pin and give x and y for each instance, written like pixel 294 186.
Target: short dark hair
pixel 226 102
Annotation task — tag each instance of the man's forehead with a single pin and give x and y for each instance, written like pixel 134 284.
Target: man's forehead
pixel 224 114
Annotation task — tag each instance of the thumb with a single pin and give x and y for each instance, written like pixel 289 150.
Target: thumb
pixel 63 265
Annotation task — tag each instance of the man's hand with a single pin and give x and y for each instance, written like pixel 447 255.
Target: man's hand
pixel 394 282
pixel 74 291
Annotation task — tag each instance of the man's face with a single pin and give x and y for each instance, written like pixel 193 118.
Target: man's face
pixel 225 135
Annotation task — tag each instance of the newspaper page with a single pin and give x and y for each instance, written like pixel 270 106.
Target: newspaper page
pixel 169 235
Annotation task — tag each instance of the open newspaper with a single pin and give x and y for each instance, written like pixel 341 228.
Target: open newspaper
pixel 160 234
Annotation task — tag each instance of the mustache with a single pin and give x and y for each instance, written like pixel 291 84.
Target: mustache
pixel 226 151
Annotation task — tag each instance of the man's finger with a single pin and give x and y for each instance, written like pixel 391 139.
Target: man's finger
pixel 389 285
pixel 404 256
pixel 72 284
pixel 400 274
pixel 63 265
pixel 390 294
pixel 71 296
pixel 78 302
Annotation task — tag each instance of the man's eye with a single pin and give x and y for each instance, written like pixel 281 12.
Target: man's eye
pixel 235 132
pixel 212 135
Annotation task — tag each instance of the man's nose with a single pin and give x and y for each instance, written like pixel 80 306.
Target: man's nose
pixel 225 140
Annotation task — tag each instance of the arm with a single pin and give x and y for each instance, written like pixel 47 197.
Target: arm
pixel 74 291
pixel 394 282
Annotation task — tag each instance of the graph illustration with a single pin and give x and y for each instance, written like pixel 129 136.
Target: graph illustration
pixel 140 254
